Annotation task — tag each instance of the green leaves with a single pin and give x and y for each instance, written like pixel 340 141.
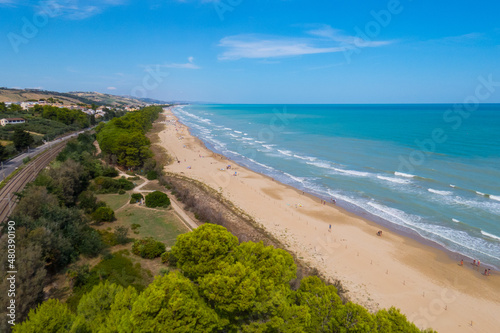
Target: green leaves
pixel 171 303
pixel 205 250
pixel 222 286
pixel 157 199
pixel 232 290
pixel 125 138
pixel 22 139
pixel 50 317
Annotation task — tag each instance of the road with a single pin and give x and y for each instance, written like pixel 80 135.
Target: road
pixel 12 164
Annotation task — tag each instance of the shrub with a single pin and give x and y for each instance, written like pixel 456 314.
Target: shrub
pixel 110 185
pixel 110 172
pixel 152 175
pixel 136 197
pixel 26 160
pixel 87 201
pixel 148 248
pixel 121 192
pixel 157 199
pixel 165 257
pixel 121 235
pixel 103 214
pixel 108 238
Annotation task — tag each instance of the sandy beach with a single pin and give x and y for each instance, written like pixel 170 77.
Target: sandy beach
pixel 426 284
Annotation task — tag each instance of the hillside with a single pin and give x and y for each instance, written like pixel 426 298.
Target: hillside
pixel 74 97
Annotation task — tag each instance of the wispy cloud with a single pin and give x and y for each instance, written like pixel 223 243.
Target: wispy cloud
pixel 111 88
pixel 460 39
pixel 76 9
pixel 189 65
pixel 7 2
pixel 321 40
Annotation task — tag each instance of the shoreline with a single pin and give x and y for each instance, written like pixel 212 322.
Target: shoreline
pixel 349 208
pixel 400 266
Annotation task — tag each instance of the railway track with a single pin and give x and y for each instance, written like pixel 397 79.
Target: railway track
pixel 8 200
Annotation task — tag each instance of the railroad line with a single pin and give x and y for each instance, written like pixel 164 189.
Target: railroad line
pixel 8 199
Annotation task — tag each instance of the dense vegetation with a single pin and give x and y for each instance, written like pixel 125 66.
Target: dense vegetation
pixel 220 286
pixel 157 199
pixel 123 140
pixel 136 197
pixel 66 116
pixel 104 185
pixel 148 248
pixel 43 123
pixel 52 224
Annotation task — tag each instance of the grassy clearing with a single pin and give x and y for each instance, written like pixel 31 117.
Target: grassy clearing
pixel 114 201
pixel 162 225
pixel 153 186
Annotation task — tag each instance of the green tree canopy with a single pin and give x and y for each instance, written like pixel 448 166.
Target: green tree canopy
pixel 205 250
pixel 171 303
pixel 22 139
pixel 51 316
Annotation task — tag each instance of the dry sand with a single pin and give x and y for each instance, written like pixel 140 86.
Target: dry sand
pixel 425 283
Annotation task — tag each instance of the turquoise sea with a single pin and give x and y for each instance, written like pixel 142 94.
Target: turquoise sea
pixel 433 170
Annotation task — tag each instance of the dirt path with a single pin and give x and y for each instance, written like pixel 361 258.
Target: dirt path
pixel 185 218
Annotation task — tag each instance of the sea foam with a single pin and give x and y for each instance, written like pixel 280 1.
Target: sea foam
pixel 394 180
pixel 401 174
pixel 352 172
pixel 439 192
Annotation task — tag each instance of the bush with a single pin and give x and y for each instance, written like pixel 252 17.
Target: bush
pixel 26 160
pixel 165 257
pixel 136 197
pixel 121 235
pixel 110 172
pixel 152 175
pixel 169 259
pixel 148 248
pixel 103 214
pixel 108 238
pixel 121 192
pixel 110 185
pixel 87 201
pixel 157 199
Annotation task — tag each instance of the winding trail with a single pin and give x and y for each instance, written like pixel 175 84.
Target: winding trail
pixel 179 211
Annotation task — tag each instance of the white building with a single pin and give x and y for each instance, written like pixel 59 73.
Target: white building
pixel 12 121
pixel 27 105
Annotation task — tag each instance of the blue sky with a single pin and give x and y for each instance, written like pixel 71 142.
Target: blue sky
pixel 242 51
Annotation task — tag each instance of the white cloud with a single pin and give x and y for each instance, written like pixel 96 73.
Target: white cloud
pixel 322 40
pixel 76 9
pixel 7 2
pixel 189 65
pixel 111 88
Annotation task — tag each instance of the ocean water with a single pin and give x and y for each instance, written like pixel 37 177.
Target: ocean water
pixel 429 169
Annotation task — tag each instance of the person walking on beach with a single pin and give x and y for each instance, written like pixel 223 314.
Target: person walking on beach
pixel 461 262
pixel 330 228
